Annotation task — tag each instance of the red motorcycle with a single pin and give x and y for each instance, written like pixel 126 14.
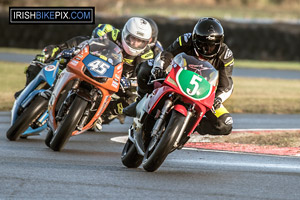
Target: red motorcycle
pixel 166 117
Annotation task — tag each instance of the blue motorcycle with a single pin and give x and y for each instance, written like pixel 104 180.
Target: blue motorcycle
pixel 29 113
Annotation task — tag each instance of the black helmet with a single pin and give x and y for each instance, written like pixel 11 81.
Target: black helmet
pixel 208 35
pixel 154 31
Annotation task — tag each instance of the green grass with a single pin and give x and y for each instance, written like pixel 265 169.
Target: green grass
pixel 19 50
pixel 262 95
pixel 267 64
pixel 12 79
pixel 251 95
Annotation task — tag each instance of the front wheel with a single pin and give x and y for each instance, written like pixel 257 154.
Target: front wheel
pixel 68 124
pixel 130 157
pixel 159 148
pixel 37 107
pixel 49 138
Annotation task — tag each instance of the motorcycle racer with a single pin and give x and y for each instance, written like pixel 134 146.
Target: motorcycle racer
pixel 50 52
pixel 133 55
pixel 205 43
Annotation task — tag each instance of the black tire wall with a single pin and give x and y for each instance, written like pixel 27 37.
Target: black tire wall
pixel 259 41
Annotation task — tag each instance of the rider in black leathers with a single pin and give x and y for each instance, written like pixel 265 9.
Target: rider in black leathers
pixel 47 55
pixel 205 43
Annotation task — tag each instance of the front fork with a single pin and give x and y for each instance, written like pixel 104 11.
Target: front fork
pixel 137 138
pixel 185 123
pixel 160 120
pixel 67 101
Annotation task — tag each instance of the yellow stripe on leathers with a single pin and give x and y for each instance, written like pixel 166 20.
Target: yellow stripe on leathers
pixel 229 63
pixel 179 39
pixel 221 111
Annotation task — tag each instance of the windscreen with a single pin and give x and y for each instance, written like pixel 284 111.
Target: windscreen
pixel 203 68
pixel 106 50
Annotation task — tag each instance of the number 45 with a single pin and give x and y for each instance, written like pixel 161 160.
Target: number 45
pixel 98 66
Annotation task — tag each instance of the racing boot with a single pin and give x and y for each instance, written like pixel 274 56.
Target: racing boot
pixel 18 93
pixel 130 110
pixel 113 111
pixel 97 127
pixel 31 72
pixel 213 125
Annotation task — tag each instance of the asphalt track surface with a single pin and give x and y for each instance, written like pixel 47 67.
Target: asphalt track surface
pixel 90 168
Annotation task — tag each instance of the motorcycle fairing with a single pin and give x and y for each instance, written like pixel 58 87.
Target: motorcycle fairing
pixel 75 70
pixel 98 67
pixel 47 74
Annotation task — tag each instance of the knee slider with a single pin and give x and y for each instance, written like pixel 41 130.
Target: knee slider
pixel 224 126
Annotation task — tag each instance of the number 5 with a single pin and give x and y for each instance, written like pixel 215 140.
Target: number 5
pixel 196 85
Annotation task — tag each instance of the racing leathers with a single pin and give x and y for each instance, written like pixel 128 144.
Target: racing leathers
pixel 47 55
pixel 217 121
pixel 130 70
pixel 143 71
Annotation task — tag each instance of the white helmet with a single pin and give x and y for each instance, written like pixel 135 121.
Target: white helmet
pixel 136 35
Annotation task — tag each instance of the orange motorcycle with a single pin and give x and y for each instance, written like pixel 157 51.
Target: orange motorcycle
pixel 83 91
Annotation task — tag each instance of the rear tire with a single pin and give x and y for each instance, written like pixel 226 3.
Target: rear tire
pixel 130 157
pixel 37 107
pixel 155 156
pixel 68 125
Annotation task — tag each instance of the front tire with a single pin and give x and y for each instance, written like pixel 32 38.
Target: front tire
pixel 130 157
pixel 49 138
pixel 68 125
pixel 37 107
pixel 155 155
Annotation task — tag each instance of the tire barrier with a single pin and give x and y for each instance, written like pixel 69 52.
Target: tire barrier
pixel 259 41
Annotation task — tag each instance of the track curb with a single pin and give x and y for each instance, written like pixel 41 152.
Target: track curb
pixel 248 148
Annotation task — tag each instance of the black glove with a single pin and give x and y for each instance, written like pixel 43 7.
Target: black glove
pixel 217 103
pixel 166 57
pixel 67 53
pixel 48 54
pixel 125 83
pixel 158 73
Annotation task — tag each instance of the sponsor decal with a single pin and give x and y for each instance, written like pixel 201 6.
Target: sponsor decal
pixel 50 67
pixel 147 55
pixel 74 62
pixel 120 108
pixel 228 54
pixel 103 57
pixel 115 84
pixel 110 61
pixel 119 67
pixel 229 120
pixel 186 37
pixel 140 34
